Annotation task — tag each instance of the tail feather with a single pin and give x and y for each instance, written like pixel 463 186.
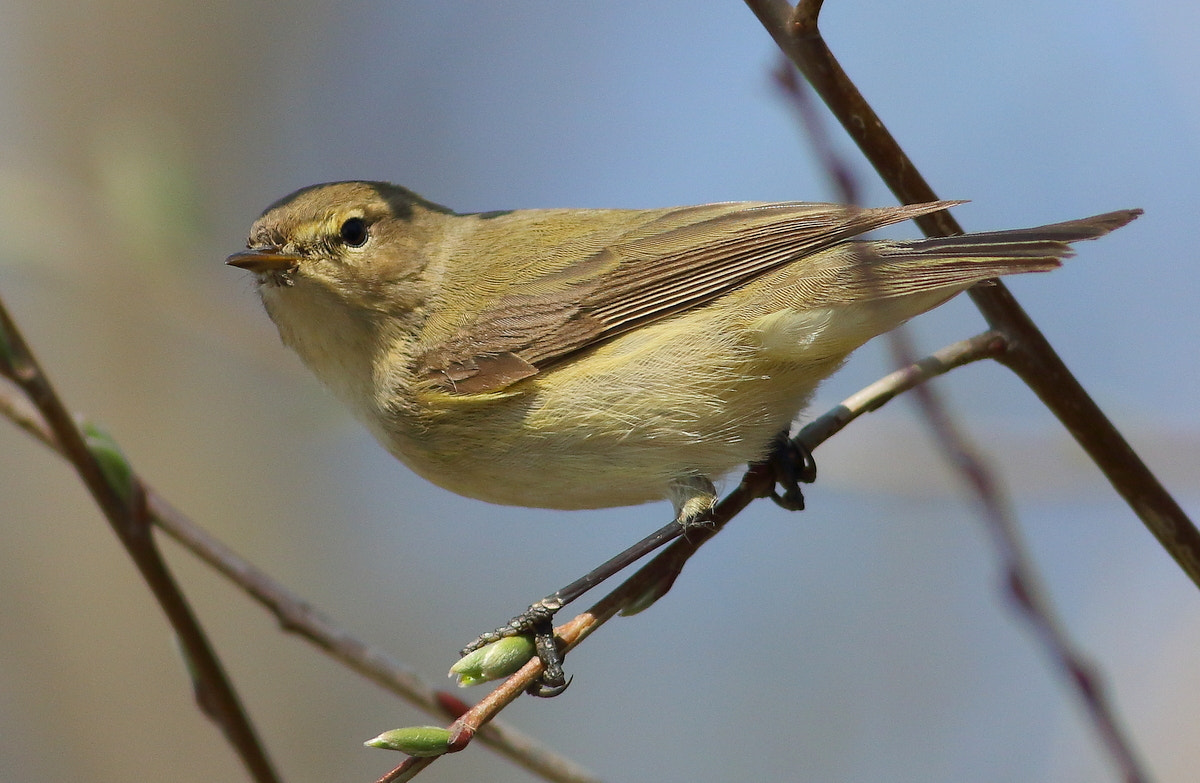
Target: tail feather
pixel 898 268
pixel 1051 241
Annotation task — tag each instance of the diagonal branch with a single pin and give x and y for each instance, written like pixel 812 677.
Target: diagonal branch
pixel 1031 357
pixel 1021 581
pixel 297 616
pixel 128 515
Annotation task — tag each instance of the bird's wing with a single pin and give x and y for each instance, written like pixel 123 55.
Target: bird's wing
pixel 681 259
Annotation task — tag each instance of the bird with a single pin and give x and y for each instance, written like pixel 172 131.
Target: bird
pixel 592 358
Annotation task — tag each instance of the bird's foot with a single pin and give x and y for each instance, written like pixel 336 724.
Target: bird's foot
pixel 536 621
pixel 792 465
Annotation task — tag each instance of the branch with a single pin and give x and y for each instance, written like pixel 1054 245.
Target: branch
pixel 124 505
pixel 1030 356
pixel 295 615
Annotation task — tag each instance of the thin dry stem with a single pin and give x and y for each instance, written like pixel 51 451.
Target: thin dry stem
pixel 1014 341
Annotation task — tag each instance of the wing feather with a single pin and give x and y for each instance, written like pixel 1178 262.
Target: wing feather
pixel 682 259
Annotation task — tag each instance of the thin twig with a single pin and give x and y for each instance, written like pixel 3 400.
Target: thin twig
pixel 297 616
pixel 129 519
pixel 841 175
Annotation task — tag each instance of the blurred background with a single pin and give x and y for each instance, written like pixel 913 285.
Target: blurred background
pixel 863 640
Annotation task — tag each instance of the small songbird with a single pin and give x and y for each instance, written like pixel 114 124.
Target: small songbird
pixel 587 358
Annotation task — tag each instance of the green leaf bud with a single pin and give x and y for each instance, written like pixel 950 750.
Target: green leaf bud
pixel 418 741
pixel 494 661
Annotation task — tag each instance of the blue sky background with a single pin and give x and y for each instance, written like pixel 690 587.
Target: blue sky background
pixel 864 640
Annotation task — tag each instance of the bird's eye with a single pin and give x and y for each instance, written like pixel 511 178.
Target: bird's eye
pixel 354 232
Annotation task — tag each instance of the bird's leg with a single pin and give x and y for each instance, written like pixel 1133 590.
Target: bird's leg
pixel 792 465
pixel 538 618
pixel 693 498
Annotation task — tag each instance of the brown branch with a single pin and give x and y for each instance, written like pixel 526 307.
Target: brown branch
pixel 297 616
pixel 1031 357
pixel 129 518
pixel 1021 580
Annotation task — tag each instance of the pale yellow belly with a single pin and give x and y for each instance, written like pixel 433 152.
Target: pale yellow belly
pixel 614 429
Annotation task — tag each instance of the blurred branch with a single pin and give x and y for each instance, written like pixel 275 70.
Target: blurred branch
pixel 1021 583
pixel 124 505
pixel 295 615
pixel 1028 354
pixel 657 575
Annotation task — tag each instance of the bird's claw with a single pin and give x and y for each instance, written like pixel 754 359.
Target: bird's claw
pixel 536 621
pixel 792 465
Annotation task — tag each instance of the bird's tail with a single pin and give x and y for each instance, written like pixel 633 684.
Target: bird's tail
pixel 899 268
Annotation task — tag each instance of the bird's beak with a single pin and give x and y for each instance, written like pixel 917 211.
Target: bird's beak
pixel 261 260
